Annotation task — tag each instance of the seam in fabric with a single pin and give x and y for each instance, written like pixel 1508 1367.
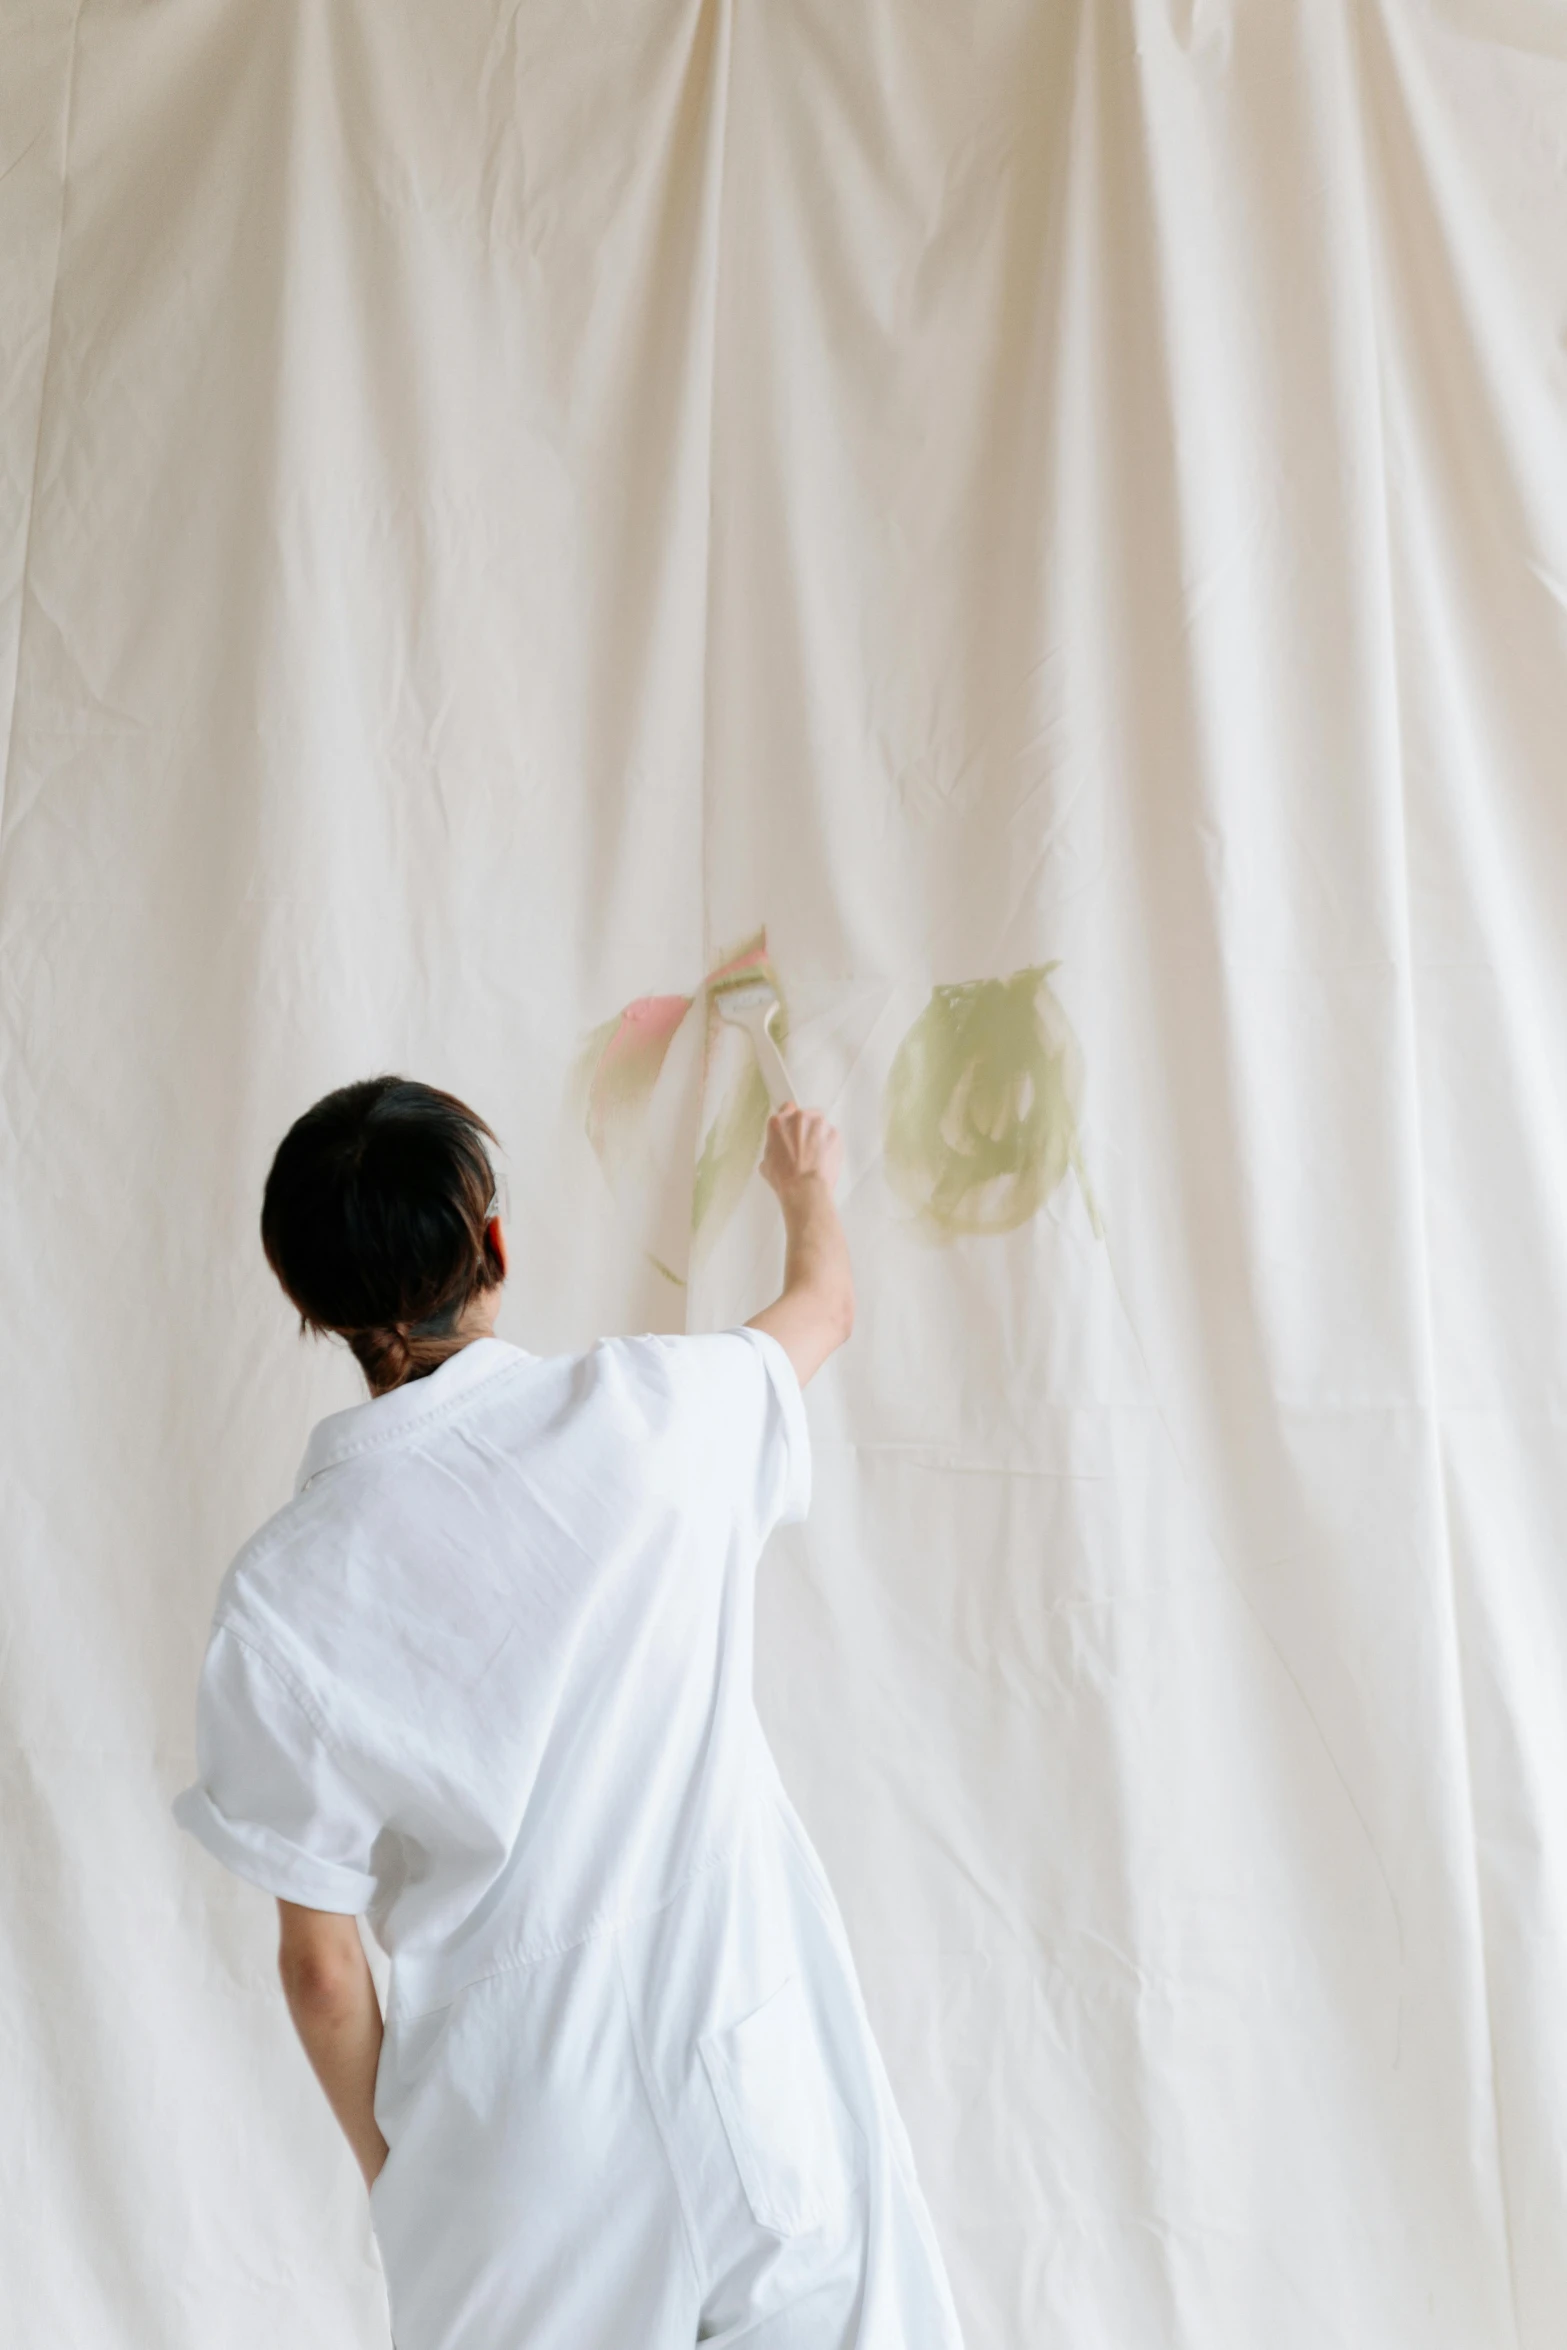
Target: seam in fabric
pixel 540 1953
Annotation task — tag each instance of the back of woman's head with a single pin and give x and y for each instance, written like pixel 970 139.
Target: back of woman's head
pixel 375 1219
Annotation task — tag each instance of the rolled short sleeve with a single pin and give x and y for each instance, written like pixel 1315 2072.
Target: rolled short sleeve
pixel 270 1800
pixel 786 1438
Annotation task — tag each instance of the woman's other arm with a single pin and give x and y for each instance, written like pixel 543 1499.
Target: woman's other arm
pixel 331 1997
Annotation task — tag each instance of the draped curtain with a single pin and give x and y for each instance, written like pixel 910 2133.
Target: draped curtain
pixel 1043 523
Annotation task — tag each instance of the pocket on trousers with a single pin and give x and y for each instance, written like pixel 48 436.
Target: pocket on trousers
pixel 787 2130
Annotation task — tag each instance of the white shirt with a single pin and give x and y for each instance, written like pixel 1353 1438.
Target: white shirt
pixel 487 1677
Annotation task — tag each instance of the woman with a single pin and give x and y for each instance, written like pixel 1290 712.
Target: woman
pixel 486 1681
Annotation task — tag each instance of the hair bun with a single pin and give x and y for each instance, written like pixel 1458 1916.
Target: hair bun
pixel 386 1354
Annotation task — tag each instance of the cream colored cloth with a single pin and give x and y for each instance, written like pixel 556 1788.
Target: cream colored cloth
pixel 498 506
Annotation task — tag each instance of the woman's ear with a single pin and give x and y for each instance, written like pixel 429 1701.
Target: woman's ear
pixel 495 1242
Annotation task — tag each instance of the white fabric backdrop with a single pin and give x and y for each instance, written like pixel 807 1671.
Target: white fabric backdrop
pixel 502 501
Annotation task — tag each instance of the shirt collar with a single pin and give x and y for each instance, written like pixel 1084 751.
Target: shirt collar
pixel 381 1419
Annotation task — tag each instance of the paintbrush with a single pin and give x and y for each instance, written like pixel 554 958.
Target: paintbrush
pixel 752 1004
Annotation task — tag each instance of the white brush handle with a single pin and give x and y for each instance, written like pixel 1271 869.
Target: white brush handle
pixel 775 1075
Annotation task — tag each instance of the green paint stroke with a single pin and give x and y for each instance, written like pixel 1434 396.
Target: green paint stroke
pixel 730 1149
pixel 980 1119
pixel 617 1073
pixel 733 1142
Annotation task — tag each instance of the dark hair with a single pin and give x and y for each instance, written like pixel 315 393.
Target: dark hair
pixel 375 1219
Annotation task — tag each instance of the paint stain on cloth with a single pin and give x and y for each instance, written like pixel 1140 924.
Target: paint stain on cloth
pixel 617 1071
pixel 732 1141
pixel 981 1108
pixel 617 1078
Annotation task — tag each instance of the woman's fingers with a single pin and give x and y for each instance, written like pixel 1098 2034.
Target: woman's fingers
pixel 800 1142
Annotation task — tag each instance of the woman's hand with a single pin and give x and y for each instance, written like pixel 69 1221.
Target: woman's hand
pixel 801 1145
